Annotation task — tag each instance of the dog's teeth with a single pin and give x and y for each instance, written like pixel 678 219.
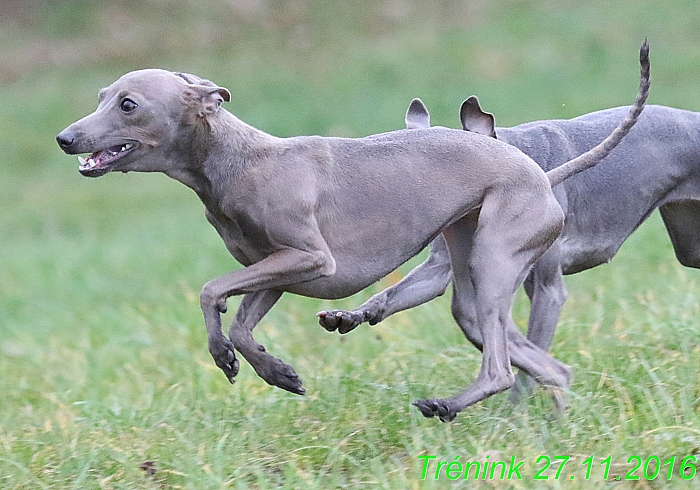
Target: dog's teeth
pixel 89 163
pixel 127 146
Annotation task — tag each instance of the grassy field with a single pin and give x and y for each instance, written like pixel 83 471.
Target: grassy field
pixel 103 358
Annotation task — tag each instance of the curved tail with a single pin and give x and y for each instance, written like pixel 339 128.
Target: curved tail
pixel 593 156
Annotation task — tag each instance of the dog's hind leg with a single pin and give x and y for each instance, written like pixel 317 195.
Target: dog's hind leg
pixel 275 372
pixel 496 374
pixel 524 354
pixel 424 283
pixel 429 280
pixel 545 288
pixel 513 230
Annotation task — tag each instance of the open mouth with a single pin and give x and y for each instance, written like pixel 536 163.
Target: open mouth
pixel 101 162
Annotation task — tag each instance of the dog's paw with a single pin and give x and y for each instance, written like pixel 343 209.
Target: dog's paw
pixel 522 388
pixel 433 407
pixel 277 373
pixel 221 349
pixel 342 321
pixel 561 403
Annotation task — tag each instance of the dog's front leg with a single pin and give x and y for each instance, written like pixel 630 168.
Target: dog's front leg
pixel 284 267
pixel 251 310
pixel 220 348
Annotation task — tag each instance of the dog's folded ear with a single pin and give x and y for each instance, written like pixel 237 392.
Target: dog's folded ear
pixel 210 98
pixel 475 120
pixel 204 95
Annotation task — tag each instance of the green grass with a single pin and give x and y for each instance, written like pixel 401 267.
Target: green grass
pixel 103 356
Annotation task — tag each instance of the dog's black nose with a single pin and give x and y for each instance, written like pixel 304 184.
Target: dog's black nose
pixel 65 139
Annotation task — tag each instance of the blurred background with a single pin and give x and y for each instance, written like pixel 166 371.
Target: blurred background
pixel 101 338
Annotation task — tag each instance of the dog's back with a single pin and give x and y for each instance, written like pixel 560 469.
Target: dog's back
pixel 605 204
pixel 407 183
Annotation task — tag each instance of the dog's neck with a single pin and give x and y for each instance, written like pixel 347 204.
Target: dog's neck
pixel 218 151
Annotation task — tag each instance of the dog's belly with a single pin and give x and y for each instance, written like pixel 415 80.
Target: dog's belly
pixel 355 272
pixel 327 288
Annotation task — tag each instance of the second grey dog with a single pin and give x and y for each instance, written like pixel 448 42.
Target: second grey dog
pixel 327 217
pixel 656 166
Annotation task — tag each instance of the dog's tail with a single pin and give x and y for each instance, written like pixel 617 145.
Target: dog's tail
pixel 593 156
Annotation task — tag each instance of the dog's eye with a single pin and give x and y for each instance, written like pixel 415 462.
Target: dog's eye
pixel 128 105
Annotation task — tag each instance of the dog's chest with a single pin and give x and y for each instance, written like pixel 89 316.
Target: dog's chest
pixel 246 241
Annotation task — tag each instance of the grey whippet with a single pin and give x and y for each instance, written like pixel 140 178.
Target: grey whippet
pixel 326 217
pixel 656 166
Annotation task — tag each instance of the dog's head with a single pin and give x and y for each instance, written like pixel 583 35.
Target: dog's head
pixel 138 120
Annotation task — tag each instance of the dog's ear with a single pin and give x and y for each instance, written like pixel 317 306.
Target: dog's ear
pixel 417 116
pixel 210 99
pixel 204 95
pixel 475 120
